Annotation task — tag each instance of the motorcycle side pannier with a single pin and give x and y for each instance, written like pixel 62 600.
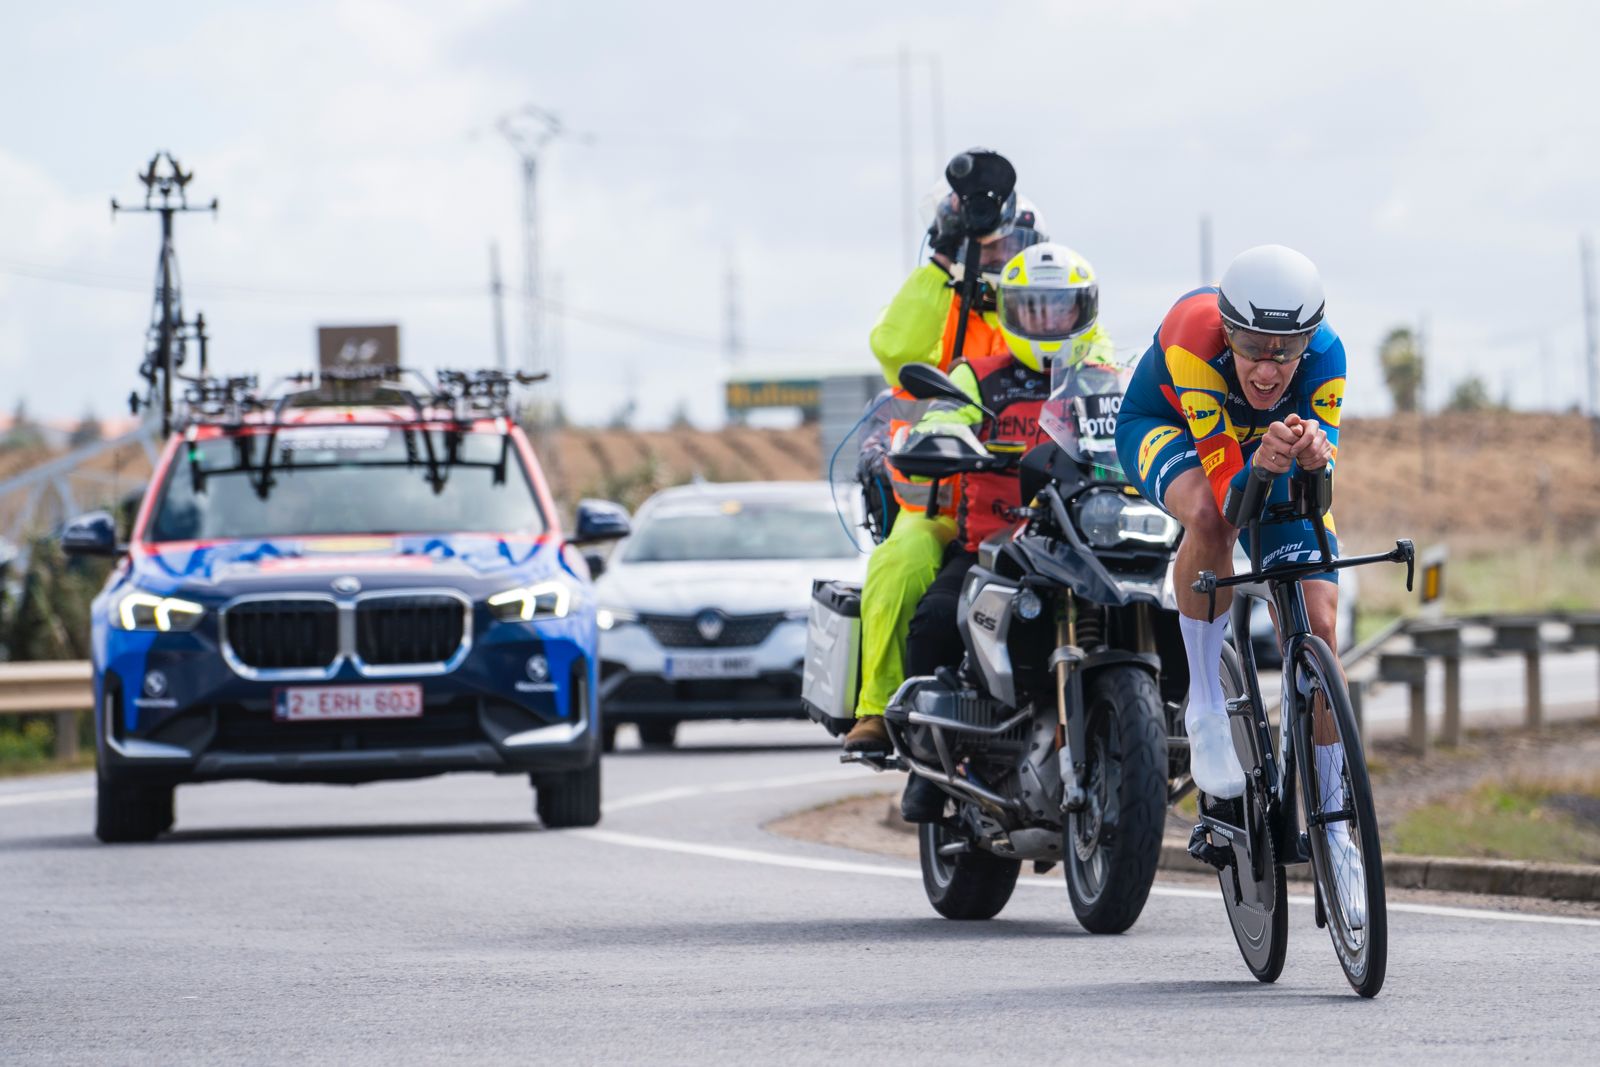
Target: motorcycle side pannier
pixel 831 681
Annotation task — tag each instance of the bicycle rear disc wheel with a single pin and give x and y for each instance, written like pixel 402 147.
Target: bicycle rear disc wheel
pixel 1362 946
pixel 1257 907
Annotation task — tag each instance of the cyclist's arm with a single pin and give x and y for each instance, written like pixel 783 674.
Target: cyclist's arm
pixel 909 329
pixel 1322 398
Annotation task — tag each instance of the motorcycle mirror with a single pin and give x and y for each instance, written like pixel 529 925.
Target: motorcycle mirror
pixel 931 383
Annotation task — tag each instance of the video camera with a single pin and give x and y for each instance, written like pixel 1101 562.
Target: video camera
pixel 983 181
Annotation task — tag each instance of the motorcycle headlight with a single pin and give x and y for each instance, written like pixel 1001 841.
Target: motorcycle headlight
pixel 1108 517
pixel 543 600
pixel 611 618
pixel 139 610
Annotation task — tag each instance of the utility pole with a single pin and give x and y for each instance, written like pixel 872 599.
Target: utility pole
pixel 165 194
pixel 1206 277
pixel 528 131
pixel 732 342
pixel 496 299
pixel 1591 338
pixel 1422 402
pixel 558 343
pixel 908 218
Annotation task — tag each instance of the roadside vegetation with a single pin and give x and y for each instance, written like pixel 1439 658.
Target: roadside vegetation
pixel 1548 820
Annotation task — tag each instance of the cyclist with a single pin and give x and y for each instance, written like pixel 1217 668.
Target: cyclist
pixel 1048 309
pixel 919 326
pixel 1247 373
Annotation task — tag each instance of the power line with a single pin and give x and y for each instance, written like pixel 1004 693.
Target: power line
pixel 286 294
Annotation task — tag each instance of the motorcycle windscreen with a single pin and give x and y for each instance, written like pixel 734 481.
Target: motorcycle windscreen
pixel 1081 413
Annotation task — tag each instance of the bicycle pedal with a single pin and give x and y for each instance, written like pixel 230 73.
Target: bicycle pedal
pixel 1241 707
pixel 1201 848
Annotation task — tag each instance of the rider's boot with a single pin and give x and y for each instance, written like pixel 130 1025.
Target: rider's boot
pixel 869 734
pixel 922 801
pixel 1213 763
pixel 1344 855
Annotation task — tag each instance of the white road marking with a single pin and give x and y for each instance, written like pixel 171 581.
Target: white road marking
pixel 642 800
pixel 43 796
pixel 808 863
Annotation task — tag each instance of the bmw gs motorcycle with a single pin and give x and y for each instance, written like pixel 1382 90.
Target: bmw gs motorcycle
pixel 1051 738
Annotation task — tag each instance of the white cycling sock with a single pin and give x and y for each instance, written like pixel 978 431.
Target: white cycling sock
pixel 1330 776
pixel 1203 642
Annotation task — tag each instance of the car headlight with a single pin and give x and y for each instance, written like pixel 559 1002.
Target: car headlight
pixel 139 610
pixel 610 618
pixel 1108 517
pixel 543 600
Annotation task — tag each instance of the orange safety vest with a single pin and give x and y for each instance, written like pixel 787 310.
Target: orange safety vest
pixel 905 410
pixel 1016 395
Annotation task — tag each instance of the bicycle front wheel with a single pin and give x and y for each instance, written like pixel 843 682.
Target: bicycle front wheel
pixel 1346 857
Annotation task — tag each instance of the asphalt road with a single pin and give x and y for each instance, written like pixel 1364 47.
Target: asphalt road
pixel 435 921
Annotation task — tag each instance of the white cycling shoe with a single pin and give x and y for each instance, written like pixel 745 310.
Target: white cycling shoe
pixel 1349 876
pixel 1213 763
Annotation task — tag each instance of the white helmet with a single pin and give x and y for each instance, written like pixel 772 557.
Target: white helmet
pixel 1272 289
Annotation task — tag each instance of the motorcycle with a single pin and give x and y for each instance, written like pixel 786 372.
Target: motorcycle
pixel 1051 739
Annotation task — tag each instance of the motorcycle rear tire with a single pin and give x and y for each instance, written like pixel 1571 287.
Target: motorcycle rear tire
pixel 968 885
pixel 1127 758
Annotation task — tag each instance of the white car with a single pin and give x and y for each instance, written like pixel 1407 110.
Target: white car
pixel 703 607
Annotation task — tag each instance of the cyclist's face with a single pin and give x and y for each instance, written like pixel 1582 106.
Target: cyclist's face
pixel 1266 363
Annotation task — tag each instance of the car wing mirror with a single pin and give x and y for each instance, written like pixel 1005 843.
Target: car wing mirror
pixel 94 534
pixel 600 520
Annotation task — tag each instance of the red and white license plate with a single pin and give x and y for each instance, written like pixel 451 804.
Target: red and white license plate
pixel 318 703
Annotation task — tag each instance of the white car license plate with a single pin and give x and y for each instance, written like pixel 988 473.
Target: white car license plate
pixel 710 665
pixel 316 703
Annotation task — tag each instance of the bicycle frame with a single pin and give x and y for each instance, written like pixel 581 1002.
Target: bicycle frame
pixel 1274 773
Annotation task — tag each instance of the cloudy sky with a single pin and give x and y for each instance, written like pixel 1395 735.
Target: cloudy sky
pixel 1438 163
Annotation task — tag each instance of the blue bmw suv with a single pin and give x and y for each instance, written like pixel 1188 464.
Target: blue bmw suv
pixel 317 590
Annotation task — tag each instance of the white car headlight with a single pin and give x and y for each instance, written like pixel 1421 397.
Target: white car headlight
pixel 139 610
pixel 552 599
pixel 610 618
pixel 1109 518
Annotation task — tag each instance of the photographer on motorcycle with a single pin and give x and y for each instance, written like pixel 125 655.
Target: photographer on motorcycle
pixel 1245 374
pixel 1047 307
pixel 920 326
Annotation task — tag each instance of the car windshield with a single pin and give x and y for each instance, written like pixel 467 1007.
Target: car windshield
pixel 738 529
pixel 346 480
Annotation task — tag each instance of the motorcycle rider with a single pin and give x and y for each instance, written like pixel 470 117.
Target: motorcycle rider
pixel 1047 306
pixel 1244 374
pixel 919 326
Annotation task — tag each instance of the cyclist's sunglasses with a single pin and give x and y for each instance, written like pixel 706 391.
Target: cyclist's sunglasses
pixel 1266 347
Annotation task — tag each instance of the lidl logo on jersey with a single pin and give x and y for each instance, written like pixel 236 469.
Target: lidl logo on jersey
pixel 1202 410
pixel 1328 401
pixel 1151 446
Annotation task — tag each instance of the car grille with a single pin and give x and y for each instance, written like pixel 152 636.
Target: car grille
pixel 738 631
pixel 409 629
pixel 283 634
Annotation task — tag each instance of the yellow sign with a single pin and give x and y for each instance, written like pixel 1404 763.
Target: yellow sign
pixel 776 393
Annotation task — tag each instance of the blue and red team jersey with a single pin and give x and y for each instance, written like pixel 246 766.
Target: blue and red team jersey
pixel 1185 409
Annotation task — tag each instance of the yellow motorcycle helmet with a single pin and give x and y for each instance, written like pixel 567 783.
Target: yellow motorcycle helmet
pixel 1048 296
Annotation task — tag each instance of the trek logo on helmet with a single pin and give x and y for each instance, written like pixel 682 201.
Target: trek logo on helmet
pixel 1270 318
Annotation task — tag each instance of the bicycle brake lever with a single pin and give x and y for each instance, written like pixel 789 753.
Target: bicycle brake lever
pixel 1207 584
pixel 1407 552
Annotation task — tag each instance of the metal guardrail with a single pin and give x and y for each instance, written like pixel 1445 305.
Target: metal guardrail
pixel 64 688
pixel 1447 641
